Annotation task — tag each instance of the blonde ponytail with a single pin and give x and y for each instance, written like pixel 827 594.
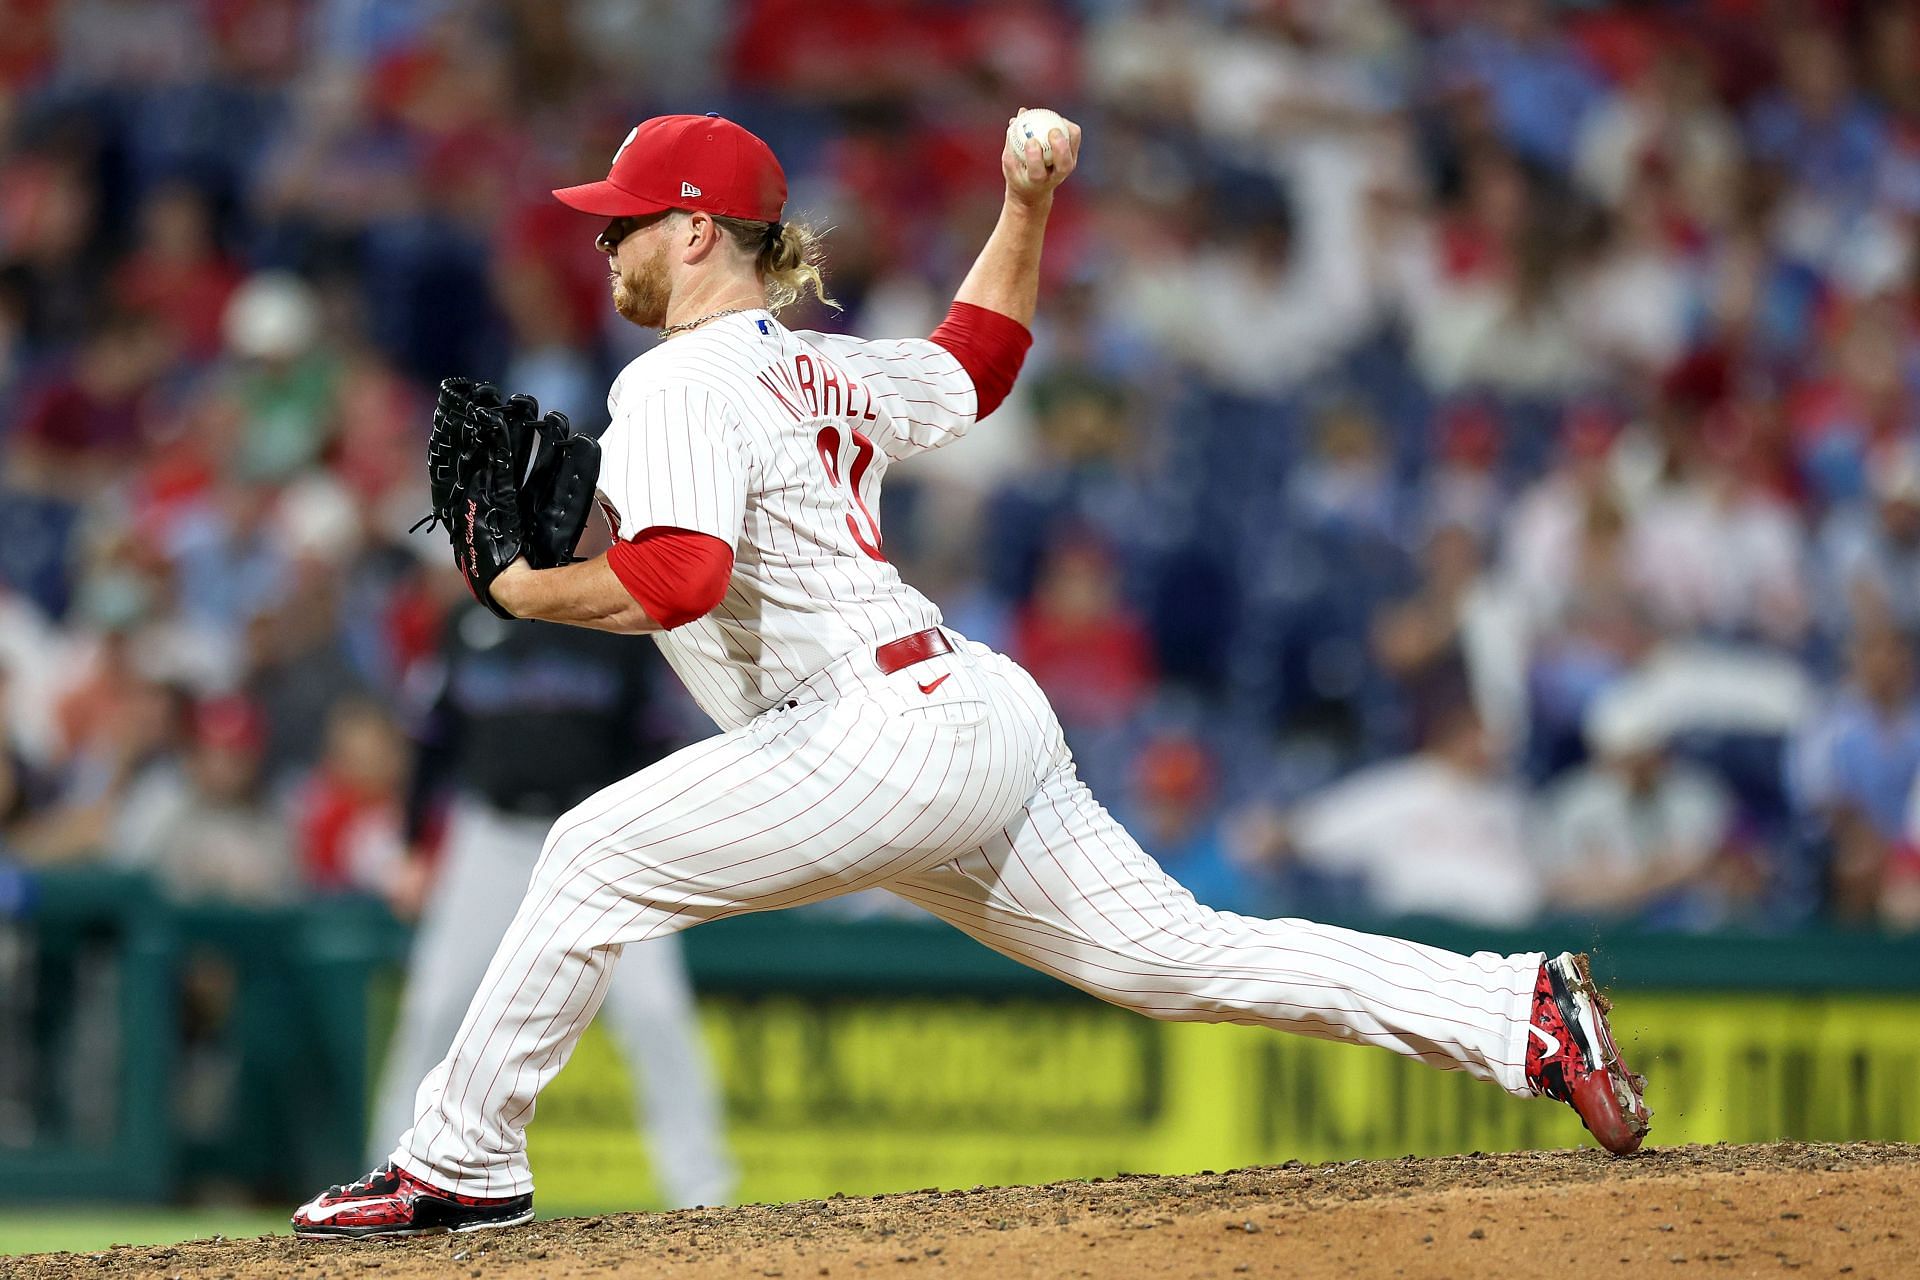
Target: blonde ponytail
pixel 787 257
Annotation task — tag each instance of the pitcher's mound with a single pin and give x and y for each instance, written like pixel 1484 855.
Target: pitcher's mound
pixel 1847 1209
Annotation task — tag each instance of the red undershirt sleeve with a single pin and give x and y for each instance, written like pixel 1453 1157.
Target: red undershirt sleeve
pixel 989 346
pixel 676 575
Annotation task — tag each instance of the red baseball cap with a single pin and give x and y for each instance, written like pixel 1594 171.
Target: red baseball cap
pixel 686 162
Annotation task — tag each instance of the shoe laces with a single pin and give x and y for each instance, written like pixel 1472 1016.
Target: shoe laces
pixel 381 1179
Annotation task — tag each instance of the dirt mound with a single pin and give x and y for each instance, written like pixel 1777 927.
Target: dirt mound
pixel 1852 1209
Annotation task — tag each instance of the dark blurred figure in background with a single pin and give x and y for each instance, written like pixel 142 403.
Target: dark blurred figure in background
pixel 348 815
pixel 1171 810
pixel 1636 833
pixel 24 789
pixel 1086 647
pixel 284 377
pixel 121 773
pixel 177 272
pixel 1852 769
pixel 85 425
pixel 1870 553
pixel 1461 625
pixel 1442 832
pixel 299 668
pixel 52 220
pixel 215 835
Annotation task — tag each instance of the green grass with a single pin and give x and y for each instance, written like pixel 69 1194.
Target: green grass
pixel 40 1229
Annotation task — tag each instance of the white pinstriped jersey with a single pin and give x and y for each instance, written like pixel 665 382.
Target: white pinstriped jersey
pixel 776 442
pixel 949 783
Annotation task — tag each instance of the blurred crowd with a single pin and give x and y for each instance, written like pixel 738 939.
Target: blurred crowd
pixel 1469 464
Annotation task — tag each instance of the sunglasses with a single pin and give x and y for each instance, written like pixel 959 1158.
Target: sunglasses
pixel 608 241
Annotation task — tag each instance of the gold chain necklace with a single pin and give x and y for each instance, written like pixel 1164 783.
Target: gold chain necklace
pixel 684 325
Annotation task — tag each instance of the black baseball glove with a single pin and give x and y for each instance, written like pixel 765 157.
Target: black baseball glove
pixel 494 508
pixel 557 497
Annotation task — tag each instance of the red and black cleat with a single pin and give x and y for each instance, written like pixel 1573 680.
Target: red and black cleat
pixel 1571 1056
pixel 392 1202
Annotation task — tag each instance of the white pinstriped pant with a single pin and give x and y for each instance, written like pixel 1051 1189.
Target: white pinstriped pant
pixel 965 802
pixel 489 855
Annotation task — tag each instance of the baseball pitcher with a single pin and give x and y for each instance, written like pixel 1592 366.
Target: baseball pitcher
pixel 863 743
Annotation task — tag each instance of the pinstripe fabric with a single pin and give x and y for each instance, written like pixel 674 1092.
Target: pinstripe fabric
pixel 842 792
pixel 965 803
pixel 1066 889
pixel 830 776
pixel 650 1007
pixel 1063 888
pixel 719 431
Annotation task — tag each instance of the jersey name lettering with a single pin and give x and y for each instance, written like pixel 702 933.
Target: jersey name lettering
pixel 778 444
pixel 811 386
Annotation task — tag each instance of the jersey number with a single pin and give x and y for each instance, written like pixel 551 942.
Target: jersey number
pixel 828 442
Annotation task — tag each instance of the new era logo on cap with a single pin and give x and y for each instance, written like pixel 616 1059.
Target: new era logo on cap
pixel 687 162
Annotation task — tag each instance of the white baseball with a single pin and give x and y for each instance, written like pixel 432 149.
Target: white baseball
pixel 1036 123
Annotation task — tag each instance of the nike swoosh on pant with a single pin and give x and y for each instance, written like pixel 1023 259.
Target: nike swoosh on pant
pixel 935 684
